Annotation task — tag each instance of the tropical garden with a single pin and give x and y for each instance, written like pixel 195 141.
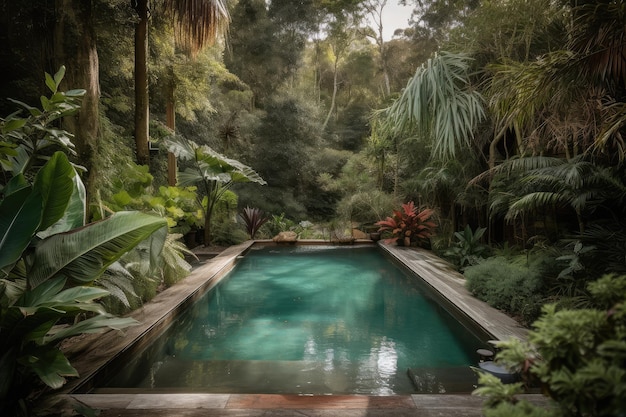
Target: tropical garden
pixel 496 142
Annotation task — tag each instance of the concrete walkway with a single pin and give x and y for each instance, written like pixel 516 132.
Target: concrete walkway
pixel 96 351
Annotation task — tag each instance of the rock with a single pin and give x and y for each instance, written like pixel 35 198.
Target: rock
pixel 286 237
pixel 358 234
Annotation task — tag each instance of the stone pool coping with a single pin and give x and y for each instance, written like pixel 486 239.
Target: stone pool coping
pixel 93 352
pixel 450 284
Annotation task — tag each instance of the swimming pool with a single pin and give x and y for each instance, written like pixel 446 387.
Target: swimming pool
pixel 310 320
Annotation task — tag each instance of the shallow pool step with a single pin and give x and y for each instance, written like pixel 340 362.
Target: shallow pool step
pixel 294 377
pixel 443 380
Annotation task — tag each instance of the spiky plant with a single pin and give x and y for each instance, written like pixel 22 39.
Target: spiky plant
pixel 253 218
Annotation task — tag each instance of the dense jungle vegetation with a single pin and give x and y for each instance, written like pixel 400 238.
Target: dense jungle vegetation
pixel 489 131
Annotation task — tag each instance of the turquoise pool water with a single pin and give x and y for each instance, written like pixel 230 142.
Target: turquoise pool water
pixel 340 320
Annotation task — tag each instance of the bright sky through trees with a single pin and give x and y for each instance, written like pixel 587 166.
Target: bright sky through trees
pixel 395 17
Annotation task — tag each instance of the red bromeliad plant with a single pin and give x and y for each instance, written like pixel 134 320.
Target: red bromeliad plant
pixel 409 227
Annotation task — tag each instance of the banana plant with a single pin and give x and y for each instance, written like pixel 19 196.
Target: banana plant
pixel 45 277
pixel 49 257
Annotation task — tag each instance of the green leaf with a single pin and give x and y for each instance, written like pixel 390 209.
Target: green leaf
pixel 58 76
pixel 34 111
pixel 95 324
pixel 50 365
pixel 46 105
pixel 38 333
pixel 20 216
pixel 51 84
pixel 37 296
pixel 79 92
pixel 55 183
pixel 83 254
pixel 74 215
pixel 13 124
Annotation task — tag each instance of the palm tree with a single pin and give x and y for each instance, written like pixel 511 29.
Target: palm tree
pixel 546 184
pixel 440 103
pixel 571 100
pixel 198 23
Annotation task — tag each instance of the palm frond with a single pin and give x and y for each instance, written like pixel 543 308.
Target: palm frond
pixel 198 22
pixel 599 37
pixel 439 103
pixel 532 202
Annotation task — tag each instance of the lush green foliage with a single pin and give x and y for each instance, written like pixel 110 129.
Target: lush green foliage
pixel 134 191
pixel 26 139
pixel 408 226
pixel 212 171
pixel 576 355
pixel 468 249
pixel 515 285
pixel 48 257
pixel 439 102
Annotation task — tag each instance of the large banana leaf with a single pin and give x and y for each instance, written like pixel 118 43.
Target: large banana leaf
pixel 20 217
pixel 55 182
pixel 83 254
pixel 26 210
pixel 36 311
pixel 74 214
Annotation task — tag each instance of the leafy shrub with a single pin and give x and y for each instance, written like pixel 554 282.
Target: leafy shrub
pixel 226 232
pixel 513 285
pixel 366 206
pixel 277 224
pixel 467 249
pixel 134 191
pixel 408 226
pixel 49 258
pixel 578 356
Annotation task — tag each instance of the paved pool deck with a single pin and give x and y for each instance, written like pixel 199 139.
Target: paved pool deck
pixel 93 352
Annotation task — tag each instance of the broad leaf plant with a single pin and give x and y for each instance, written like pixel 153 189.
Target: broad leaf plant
pixel 49 257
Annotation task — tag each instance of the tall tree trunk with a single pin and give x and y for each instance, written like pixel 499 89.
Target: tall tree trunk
pixel 334 96
pixel 142 115
pixel 75 47
pixel 170 114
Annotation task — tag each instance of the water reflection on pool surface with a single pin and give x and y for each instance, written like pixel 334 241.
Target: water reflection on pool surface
pixel 340 320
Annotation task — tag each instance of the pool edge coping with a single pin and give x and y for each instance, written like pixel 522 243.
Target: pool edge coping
pixel 448 283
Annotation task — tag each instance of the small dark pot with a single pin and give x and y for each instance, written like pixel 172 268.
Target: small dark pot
pixel 375 236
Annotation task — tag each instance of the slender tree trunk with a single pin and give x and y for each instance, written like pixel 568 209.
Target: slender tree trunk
pixel 334 96
pixel 170 114
pixel 142 115
pixel 492 151
pixel 75 47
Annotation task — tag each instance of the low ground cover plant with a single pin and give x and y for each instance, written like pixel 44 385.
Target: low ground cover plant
pixel 467 249
pixel 512 284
